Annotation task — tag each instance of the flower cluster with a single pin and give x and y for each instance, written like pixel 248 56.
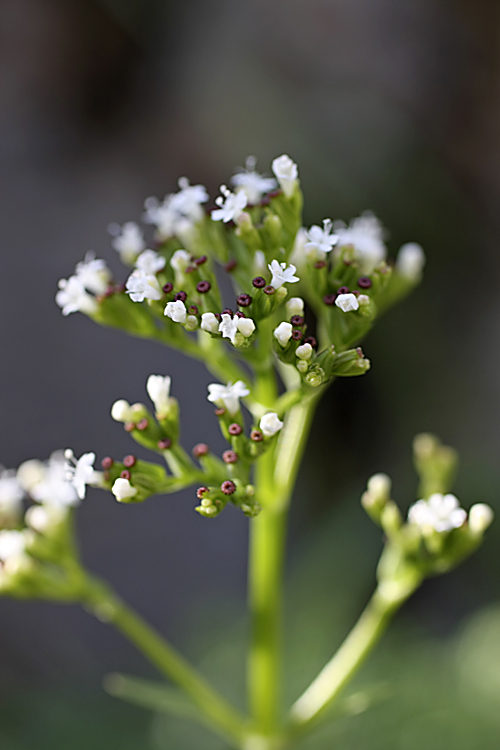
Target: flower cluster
pixel 36 538
pixel 438 533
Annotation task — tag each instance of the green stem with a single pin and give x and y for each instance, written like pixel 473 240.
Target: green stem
pixel 323 691
pixel 275 479
pixel 221 715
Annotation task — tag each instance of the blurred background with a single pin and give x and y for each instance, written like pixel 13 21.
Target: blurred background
pixel 385 105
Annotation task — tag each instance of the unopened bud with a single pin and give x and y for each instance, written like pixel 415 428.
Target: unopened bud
pixel 480 517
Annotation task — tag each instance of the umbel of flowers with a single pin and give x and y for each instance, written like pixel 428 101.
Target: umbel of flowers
pixel 303 299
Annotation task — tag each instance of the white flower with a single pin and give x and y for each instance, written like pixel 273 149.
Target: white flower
pixel 72 297
pixel 121 411
pixel 228 327
pixel 320 240
pixel 282 274
pixel 142 286
pixel 245 326
pixel 209 323
pixel 176 311
pixel 93 273
pixel 80 472
pixel 253 184
pixel 122 489
pixel 30 473
pixel 283 333
pixel 439 513
pixel 180 260
pixel 12 544
pixel 149 262
pixel 410 261
pixel 228 395
pixel 187 202
pixel 270 424
pixel 54 488
pixel 158 388
pixel 347 302
pixel 287 173
pixel 11 494
pixel 480 517
pixel 295 306
pixel 304 351
pixel 128 241
pixel 178 212
pixel 231 206
pixel 367 235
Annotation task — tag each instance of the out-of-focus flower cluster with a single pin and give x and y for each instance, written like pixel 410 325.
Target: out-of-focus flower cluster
pixel 437 534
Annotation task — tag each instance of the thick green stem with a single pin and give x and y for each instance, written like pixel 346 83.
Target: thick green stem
pixel 323 691
pixel 275 479
pixel 109 608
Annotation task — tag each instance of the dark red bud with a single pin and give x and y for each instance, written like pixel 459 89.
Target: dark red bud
pixel 297 334
pixel 364 282
pixel 126 474
pixel 193 310
pixel 343 290
pixel 228 487
pixel 164 444
pixel 230 457
pixel 329 299
pixel 259 282
pixel 142 425
pixel 129 461
pixel 201 449
pixel 320 264
pixel 311 340
pixel 200 261
pixel 203 287
pixel 220 411
pixel 256 436
pixel 244 300
pixel 230 266
pixel 129 426
pixel 200 492
pixel 182 296
pixel 107 462
pixel 297 320
pixel 235 429
pixel 269 290
pixel 168 287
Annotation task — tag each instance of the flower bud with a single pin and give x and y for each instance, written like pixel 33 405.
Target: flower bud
pixel 270 424
pixel 121 411
pixel 283 333
pixel 123 490
pixel 480 518
pixel 295 306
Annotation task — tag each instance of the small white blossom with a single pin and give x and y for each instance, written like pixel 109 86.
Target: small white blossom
pixel 480 517
pixel 150 262
pixel 283 333
pixel 128 241
pixel 80 472
pixel 73 297
pixel 270 424
pixel 54 488
pixel 176 311
pixel 11 495
pixel 209 323
pixel 122 489
pixel 180 260
pixel 295 306
pixel 12 544
pixel 93 273
pixel 187 202
pixel 253 184
pixel 347 302
pixel 410 261
pixel 245 326
pixel 158 388
pixel 230 206
pixel 439 513
pixel 366 234
pixel 178 212
pixel 142 286
pixel 228 327
pixel 304 351
pixel 320 240
pixel 282 274
pixel 228 395
pixel 363 300
pixel 121 411
pixel 30 473
pixel 287 173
